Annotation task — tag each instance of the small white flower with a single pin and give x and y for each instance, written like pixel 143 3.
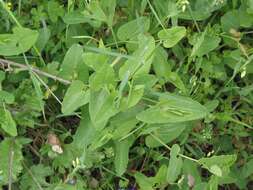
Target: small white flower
pixel 57 149
pixel 244 72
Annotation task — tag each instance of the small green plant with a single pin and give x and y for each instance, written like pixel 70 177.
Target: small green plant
pixel 126 94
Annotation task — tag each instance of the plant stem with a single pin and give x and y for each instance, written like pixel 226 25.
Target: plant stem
pixel 166 146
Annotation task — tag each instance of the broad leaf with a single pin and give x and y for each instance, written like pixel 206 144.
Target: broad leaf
pixel 71 61
pixel 230 20
pixel 19 42
pixel 172 36
pixel 166 132
pixel 101 107
pixel 95 60
pixel 218 165
pixel 204 44
pixel 135 94
pixel 121 154
pixel 103 77
pixel 173 109
pixel 86 131
pixel 144 56
pixel 133 28
pixel 161 65
pixel 76 96
pixel 144 182
pixel 124 122
pixel 77 17
pixel 108 9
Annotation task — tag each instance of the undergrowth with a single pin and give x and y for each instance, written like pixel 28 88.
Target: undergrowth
pixel 126 94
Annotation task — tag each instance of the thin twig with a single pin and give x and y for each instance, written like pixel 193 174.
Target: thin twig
pixel 166 146
pixel 8 63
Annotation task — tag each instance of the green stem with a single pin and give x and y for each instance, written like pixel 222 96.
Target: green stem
pixel 166 146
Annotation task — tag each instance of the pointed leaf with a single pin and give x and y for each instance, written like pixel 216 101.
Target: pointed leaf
pixel 71 61
pixel 76 96
pixel 144 56
pixel 133 28
pixel 103 77
pixel 121 155
pixel 173 109
pixel 101 107
pixel 7 122
pixel 172 36
pixel 19 42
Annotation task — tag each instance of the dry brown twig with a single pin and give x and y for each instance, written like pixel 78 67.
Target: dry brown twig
pixel 9 64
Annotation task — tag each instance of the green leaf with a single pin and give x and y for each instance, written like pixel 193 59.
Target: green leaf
pixel 204 44
pixel 109 10
pixel 175 79
pixel 2 77
pixel 247 169
pixel 166 132
pixel 135 94
pixel 173 109
pixel 160 177
pixel 40 172
pixel 223 162
pixel 7 122
pixel 101 138
pixel 121 155
pixel 172 36
pixel 103 77
pixel 160 64
pixel 55 10
pixel 71 61
pixel 143 58
pixel 175 164
pixel 133 28
pixel 200 186
pixel 6 97
pixel 213 183
pixel 201 9
pixel 76 96
pixel 101 107
pixel 86 131
pixel 102 11
pixel 19 42
pixel 230 20
pixel 43 38
pixel 10 160
pixel 216 170
pixel 95 60
pixel 166 9
pixel 145 183
pixel 124 122
pixel 191 168
pixel 96 11
pixel 38 91
pixel 78 17
pixel 147 80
